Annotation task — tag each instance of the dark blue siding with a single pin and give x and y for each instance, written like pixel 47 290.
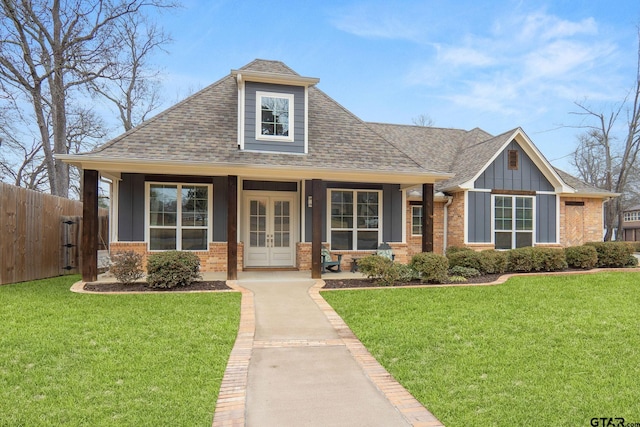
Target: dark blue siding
pixel 479 217
pixel 546 218
pixel 528 177
pixel 131 208
pixel 299 117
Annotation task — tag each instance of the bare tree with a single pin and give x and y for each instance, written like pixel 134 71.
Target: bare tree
pixel 604 160
pixel 134 86
pixel 49 51
pixel 423 120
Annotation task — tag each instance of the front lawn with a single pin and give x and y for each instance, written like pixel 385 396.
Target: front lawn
pixel 109 360
pixel 546 350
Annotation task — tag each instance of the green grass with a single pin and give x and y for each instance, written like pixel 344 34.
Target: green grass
pixel 111 360
pixel 547 350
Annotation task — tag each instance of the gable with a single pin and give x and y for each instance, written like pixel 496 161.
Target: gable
pixel 525 177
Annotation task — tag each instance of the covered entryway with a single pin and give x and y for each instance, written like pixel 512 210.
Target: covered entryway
pixel 270 229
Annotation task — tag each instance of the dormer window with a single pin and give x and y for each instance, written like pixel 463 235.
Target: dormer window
pixel 275 119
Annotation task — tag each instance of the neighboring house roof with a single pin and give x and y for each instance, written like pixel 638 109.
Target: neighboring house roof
pixel 633 208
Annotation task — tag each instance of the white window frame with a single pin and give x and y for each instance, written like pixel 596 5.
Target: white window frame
pixel 178 227
pixel 412 216
pixel 355 229
pixel 513 218
pixel 258 123
pixel 631 216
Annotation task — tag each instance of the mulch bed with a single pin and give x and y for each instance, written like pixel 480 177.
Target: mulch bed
pixel 366 283
pixel 215 285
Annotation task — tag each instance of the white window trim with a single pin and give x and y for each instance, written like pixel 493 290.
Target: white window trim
pixel 259 135
pixel 412 207
pixel 355 202
pixel 513 231
pixel 147 207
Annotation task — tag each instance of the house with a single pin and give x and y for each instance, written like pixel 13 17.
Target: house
pixel 261 169
pixel 631 224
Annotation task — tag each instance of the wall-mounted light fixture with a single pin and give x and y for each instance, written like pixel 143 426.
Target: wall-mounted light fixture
pixel 309 201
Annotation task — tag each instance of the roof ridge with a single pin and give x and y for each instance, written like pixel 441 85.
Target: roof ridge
pixel 273 61
pixel 416 126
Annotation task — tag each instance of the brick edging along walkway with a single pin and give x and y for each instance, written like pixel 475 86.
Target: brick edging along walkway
pixel 231 404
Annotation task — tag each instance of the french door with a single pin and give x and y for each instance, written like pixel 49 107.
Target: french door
pixel 269 230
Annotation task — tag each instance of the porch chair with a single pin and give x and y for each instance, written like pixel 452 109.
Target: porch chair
pixel 384 250
pixel 328 263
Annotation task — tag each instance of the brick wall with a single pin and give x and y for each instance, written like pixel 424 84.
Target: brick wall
pixel 213 260
pixel 456 221
pixel 414 243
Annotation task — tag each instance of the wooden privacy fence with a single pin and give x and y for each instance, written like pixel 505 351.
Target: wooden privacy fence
pixel 34 240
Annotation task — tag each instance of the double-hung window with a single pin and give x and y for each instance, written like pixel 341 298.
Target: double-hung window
pixel 355 222
pixel 274 118
pixel 178 216
pixel 416 220
pixel 513 221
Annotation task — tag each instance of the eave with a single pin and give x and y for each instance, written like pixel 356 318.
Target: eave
pixel 115 166
pixel 274 78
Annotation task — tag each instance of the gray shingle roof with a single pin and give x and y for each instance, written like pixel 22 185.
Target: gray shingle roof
pixel 203 128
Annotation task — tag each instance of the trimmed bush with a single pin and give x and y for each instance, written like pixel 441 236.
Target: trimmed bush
pixel 465 272
pixel 524 260
pixel 430 266
pixel 612 254
pixel 172 268
pixel 384 271
pixel 494 262
pixel 374 266
pixel 467 259
pixel 585 257
pixel 126 266
pixel 454 249
pixel 632 261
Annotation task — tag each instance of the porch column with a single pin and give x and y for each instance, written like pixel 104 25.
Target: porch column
pixel 232 227
pixel 89 225
pixel 316 228
pixel 427 217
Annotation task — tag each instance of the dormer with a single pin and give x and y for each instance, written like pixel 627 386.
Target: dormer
pixel 273 111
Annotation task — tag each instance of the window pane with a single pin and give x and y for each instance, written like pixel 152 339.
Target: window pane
pixel 503 213
pixel 367 209
pixel 275 116
pixel 342 240
pixel 524 239
pixel 341 209
pixel 194 206
pixel 503 240
pixel 367 240
pixel 416 220
pixel 194 239
pixel 162 239
pixel 163 205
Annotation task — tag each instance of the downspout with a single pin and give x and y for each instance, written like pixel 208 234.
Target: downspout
pixel 446 224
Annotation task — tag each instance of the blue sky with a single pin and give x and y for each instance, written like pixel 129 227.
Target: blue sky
pixel 496 65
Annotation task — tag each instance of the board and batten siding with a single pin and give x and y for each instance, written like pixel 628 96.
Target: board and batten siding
pixel 526 178
pixel 299 117
pixel 496 177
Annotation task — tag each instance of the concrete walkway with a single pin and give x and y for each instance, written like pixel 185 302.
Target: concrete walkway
pixel 296 363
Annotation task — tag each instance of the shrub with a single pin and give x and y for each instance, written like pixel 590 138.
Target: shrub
pixel 126 266
pixel 467 259
pixel 632 261
pixel 585 257
pixel 385 271
pixel 465 272
pixel 494 262
pixel 454 249
pixel 612 254
pixel 172 268
pixel 529 259
pixel 430 266
pixel 457 279
pixel 374 266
